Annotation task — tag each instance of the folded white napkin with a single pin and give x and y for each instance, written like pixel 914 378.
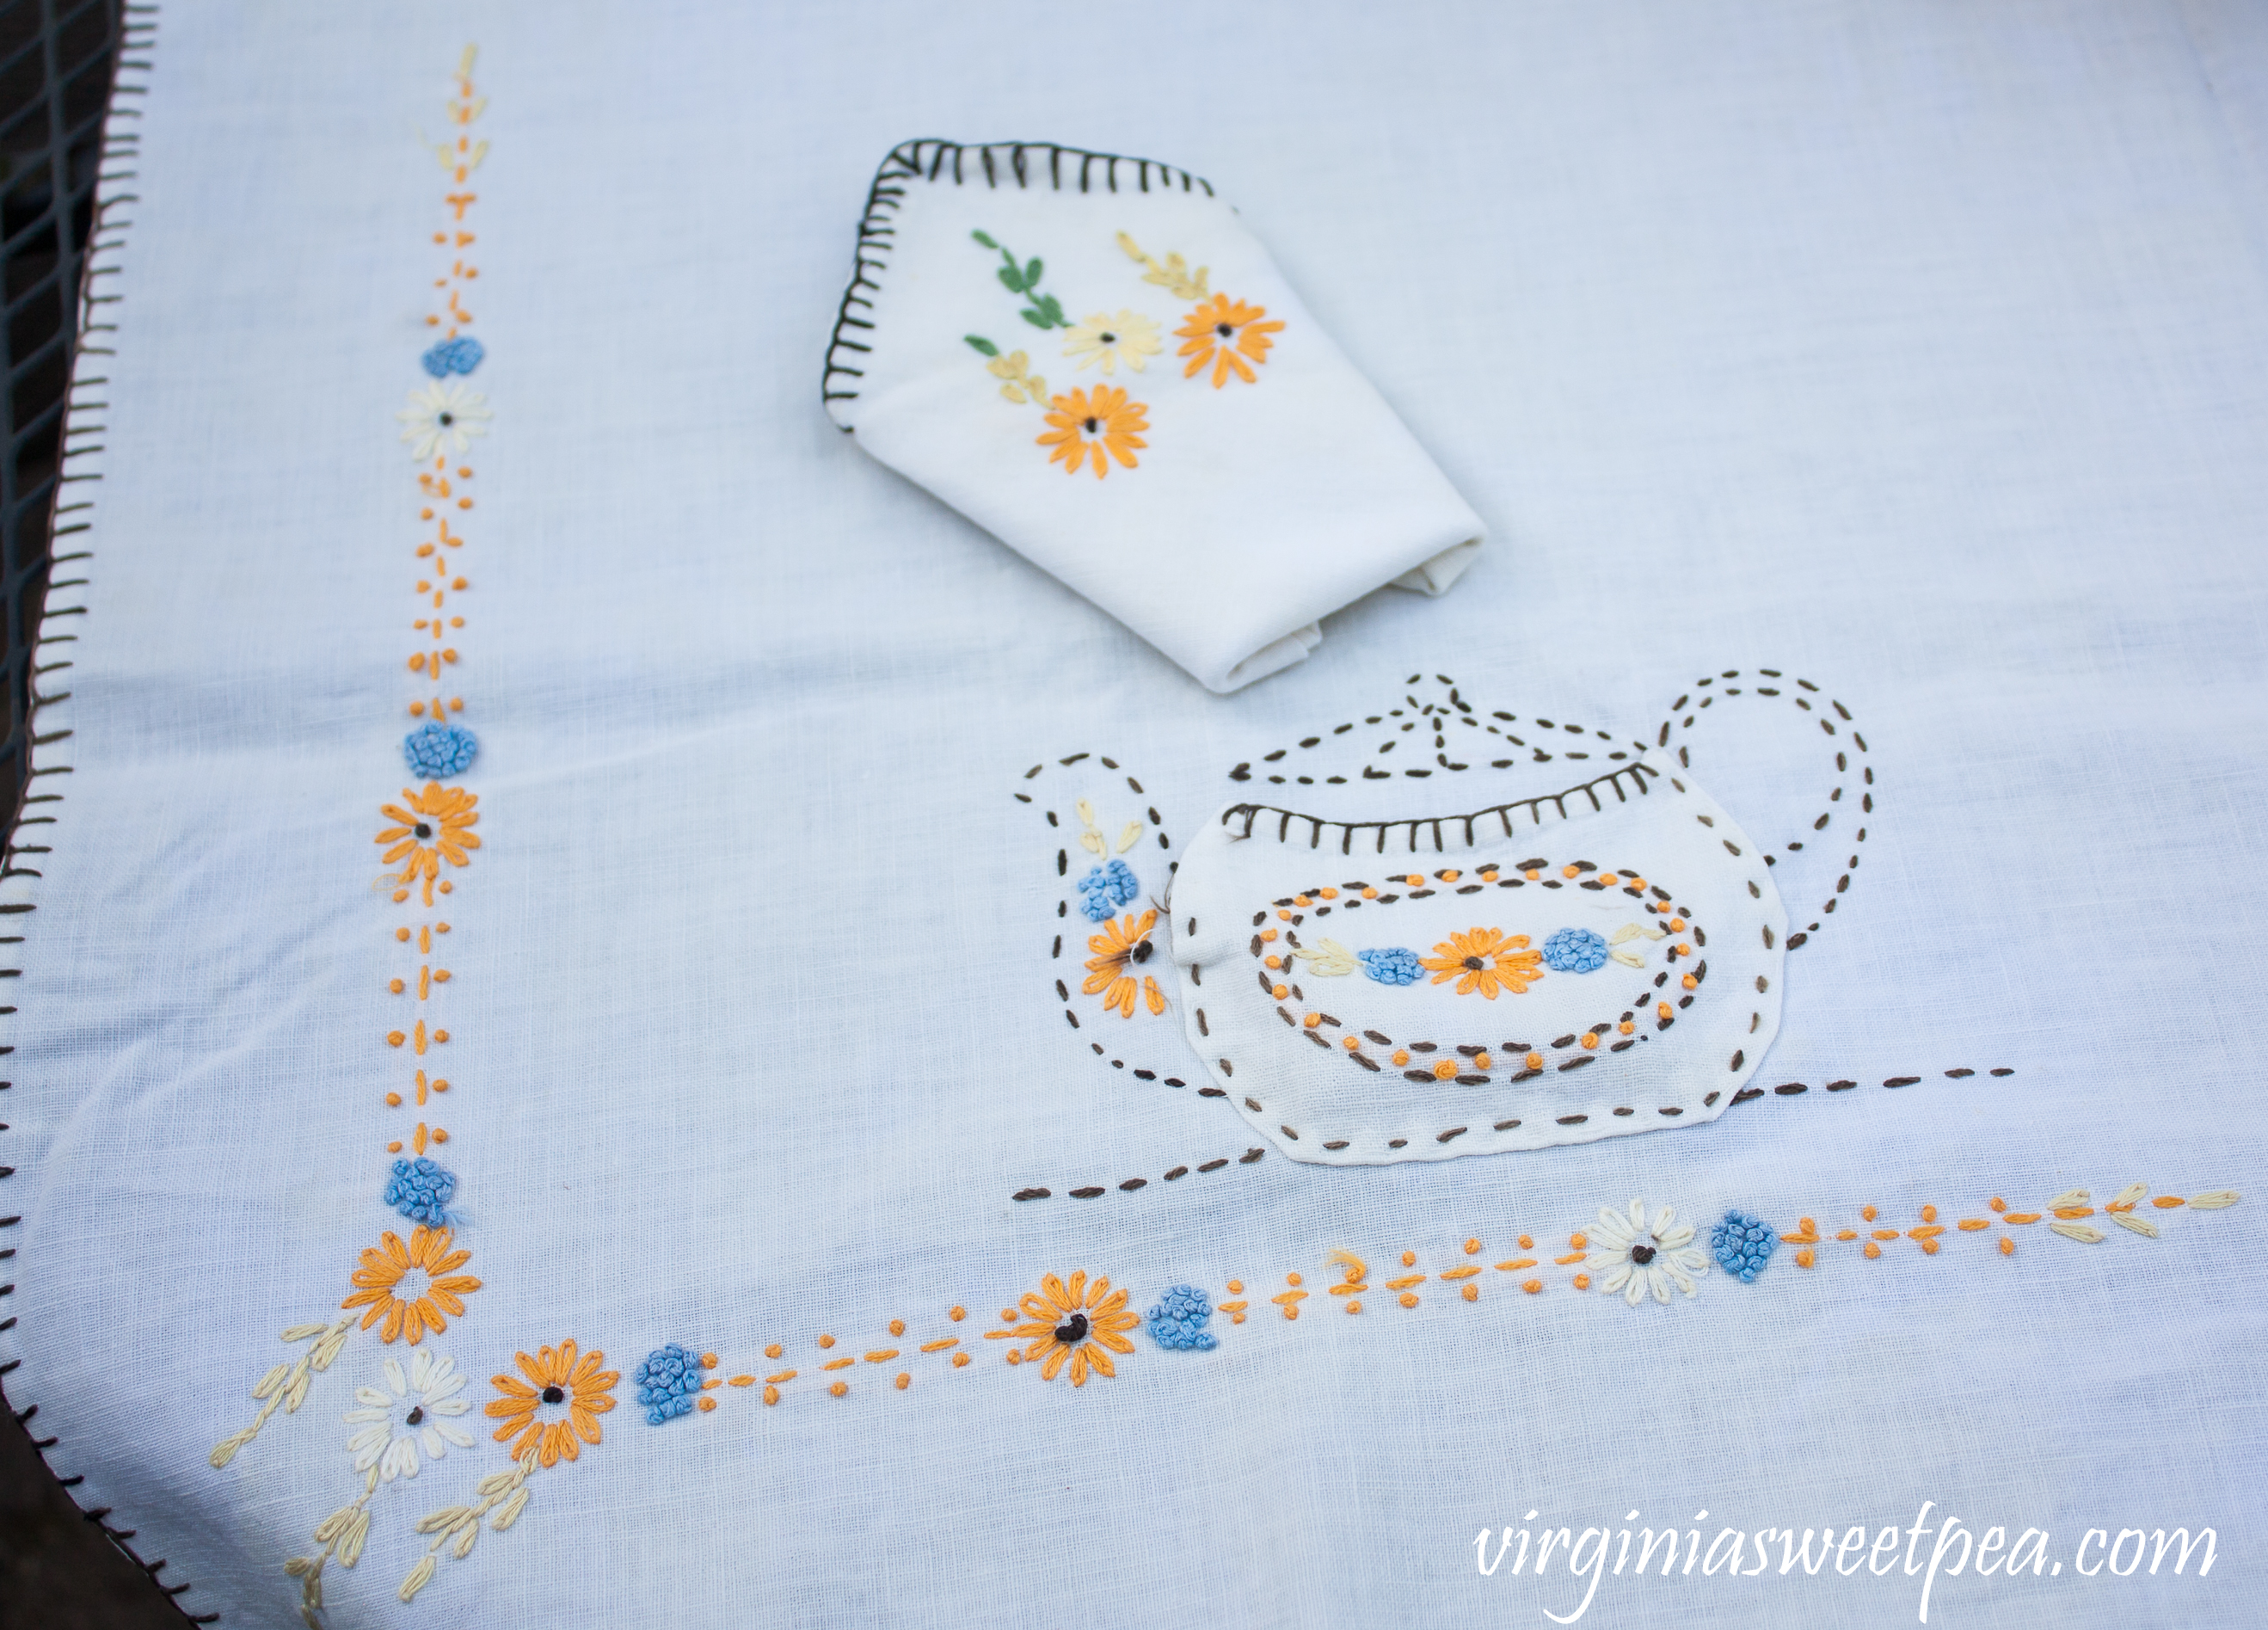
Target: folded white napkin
pixel 1092 359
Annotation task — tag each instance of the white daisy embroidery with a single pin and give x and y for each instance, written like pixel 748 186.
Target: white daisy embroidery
pixel 1634 1256
pixel 1129 338
pixel 443 418
pixel 409 1413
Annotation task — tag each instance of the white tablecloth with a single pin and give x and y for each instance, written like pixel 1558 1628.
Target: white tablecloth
pixel 1875 386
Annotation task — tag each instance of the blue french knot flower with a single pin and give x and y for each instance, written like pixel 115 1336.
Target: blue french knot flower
pixel 421 1190
pixel 461 355
pixel 1742 1245
pixel 437 751
pixel 1575 950
pixel 1178 1321
pixel 1392 966
pixel 668 1383
pixel 1105 889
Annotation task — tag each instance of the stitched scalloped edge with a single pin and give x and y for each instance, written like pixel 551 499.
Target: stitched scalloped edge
pixel 926 158
pixel 80 466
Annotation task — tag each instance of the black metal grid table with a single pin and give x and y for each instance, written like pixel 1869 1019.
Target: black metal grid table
pixel 61 1569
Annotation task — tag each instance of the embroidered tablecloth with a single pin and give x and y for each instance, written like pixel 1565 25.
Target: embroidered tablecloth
pixel 623 1019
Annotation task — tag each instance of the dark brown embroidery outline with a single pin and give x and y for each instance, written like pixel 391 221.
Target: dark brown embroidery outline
pixel 1451 711
pixel 1295 909
pixel 1683 715
pixel 1412 833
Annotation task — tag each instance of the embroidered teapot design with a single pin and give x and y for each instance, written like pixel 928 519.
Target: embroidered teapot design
pixel 1600 959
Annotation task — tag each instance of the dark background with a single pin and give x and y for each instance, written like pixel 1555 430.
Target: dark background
pixel 61 1569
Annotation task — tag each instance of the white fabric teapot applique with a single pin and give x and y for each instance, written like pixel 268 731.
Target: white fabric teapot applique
pixel 1444 931
pixel 1602 960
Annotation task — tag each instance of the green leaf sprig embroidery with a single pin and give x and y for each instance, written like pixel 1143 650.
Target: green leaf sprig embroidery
pixel 1023 277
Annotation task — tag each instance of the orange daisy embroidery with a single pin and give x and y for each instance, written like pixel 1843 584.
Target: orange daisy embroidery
pixel 1101 424
pixel 436 826
pixel 1483 959
pixel 1229 335
pixel 577 1388
pixel 409 1286
pixel 1120 948
pixel 1075 1322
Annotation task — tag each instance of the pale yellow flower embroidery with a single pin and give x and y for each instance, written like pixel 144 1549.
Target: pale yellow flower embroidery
pixel 1129 338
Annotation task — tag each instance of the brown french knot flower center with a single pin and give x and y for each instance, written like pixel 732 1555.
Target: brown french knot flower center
pixel 1225 330
pixel 423 830
pixel 1108 338
pixel 1641 1254
pixel 1073 1334
pixel 1476 965
pixel 553 1395
pixel 417 1416
pixel 1092 423
pixel 1141 953
pixel 448 418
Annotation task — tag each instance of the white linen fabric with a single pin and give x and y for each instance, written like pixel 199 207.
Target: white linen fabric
pixel 1873 396
pixel 1600 962
pixel 1263 482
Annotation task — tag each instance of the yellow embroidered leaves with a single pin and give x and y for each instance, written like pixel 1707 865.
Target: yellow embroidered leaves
pixel 1485 959
pixel 1083 427
pixel 1075 1322
pixel 285 1385
pixel 435 826
pixel 2064 1214
pixel 1090 838
pixel 1230 335
pixel 556 1381
pixel 1022 384
pixel 410 1285
pixel 502 1493
pixel 1330 959
pixel 1118 949
pixel 1174 275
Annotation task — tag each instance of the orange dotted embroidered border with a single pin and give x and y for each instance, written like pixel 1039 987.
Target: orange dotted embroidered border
pixel 1532 1269
pixel 442 488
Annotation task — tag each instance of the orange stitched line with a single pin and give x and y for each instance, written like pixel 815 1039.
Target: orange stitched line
pixel 939 1346
pixel 838 1363
pixel 1572 1257
pixel 1515 1266
pixel 1458 1273
pixel 1406 1281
